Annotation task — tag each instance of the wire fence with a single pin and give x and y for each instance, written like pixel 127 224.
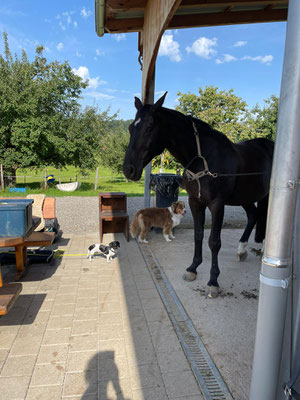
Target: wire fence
pixel 84 184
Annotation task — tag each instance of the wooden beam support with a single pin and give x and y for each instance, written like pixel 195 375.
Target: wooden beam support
pixel 156 19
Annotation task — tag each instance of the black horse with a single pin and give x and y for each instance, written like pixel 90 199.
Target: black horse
pixel 217 173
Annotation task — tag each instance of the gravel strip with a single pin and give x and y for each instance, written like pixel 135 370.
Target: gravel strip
pixel 81 214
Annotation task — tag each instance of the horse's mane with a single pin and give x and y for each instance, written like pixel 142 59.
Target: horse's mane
pixel 204 126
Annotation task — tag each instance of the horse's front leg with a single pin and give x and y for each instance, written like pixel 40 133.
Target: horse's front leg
pixel 198 212
pixel 214 242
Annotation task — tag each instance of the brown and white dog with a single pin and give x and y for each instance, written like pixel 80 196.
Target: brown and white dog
pixel 165 218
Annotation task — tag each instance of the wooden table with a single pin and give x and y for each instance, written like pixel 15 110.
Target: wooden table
pixel 9 292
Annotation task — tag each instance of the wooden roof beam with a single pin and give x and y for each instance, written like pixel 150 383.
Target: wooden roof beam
pixel 228 18
pixel 125 5
pixel 233 3
pixel 198 20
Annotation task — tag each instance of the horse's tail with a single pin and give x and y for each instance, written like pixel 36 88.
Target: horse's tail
pixel 262 209
pixel 134 226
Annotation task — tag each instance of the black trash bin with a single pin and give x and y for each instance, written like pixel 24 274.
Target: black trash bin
pixel 166 187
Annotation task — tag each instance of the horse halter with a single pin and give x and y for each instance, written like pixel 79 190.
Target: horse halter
pixel 191 176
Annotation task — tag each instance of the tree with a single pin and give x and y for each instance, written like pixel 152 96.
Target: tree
pixel 263 121
pixel 221 109
pixel 113 146
pixel 41 123
pixel 86 133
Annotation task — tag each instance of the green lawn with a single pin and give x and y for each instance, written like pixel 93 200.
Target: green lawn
pixel 33 181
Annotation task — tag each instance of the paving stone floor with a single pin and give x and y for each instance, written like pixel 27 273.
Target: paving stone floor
pixel 91 330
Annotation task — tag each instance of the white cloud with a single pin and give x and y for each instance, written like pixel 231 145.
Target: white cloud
pixel 119 36
pixel 203 47
pixel 78 54
pixel 65 20
pixel 108 90
pixel 60 46
pixel 63 27
pixel 85 13
pixel 170 48
pixel 99 52
pixel 100 96
pixel 226 59
pixel 267 60
pixel 240 43
pixel 94 82
pixel 83 72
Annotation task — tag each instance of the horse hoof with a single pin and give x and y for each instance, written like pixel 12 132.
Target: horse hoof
pixel 189 276
pixel 211 292
pixel 242 256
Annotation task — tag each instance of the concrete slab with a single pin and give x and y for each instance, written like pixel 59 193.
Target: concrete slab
pixel 91 330
pixel 84 329
pixel 226 324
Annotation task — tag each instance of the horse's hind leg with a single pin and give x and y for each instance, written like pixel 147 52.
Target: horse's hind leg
pixel 214 242
pixel 198 212
pixel 251 211
pixel 262 209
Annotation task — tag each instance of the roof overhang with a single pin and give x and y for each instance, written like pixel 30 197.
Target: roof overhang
pixel 152 17
pixel 121 16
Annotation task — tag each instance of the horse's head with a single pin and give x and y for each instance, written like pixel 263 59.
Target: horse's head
pixel 146 141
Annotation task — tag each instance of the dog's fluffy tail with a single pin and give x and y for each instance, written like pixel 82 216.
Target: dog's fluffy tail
pixel 134 226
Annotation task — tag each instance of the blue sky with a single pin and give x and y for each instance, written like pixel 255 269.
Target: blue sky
pixel 246 58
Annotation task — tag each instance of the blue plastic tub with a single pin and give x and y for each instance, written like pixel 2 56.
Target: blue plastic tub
pixel 15 217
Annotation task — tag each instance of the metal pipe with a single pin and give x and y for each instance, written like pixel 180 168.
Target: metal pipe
pixel 295 345
pixel 99 16
pixel 276 263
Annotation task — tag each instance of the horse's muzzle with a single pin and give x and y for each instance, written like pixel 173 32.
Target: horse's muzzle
pixel 130 172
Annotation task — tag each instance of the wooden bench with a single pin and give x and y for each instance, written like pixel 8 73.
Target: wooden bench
pixel 9 292
pixel 36 239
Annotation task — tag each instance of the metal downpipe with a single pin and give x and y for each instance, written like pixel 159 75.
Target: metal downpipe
pixel 99 16
pixel 276 263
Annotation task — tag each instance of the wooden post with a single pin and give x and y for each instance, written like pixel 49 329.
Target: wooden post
pixel 46 184
pixel 2 178
pixel 96 179
pixel 148 99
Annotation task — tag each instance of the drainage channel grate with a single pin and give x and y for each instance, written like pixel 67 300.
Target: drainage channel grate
pixel 209 379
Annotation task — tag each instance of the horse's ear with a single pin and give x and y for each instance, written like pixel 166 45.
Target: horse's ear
pixel 138 104
pixel 160 102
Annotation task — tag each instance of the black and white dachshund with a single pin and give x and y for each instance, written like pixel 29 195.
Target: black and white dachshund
pixel 108 251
